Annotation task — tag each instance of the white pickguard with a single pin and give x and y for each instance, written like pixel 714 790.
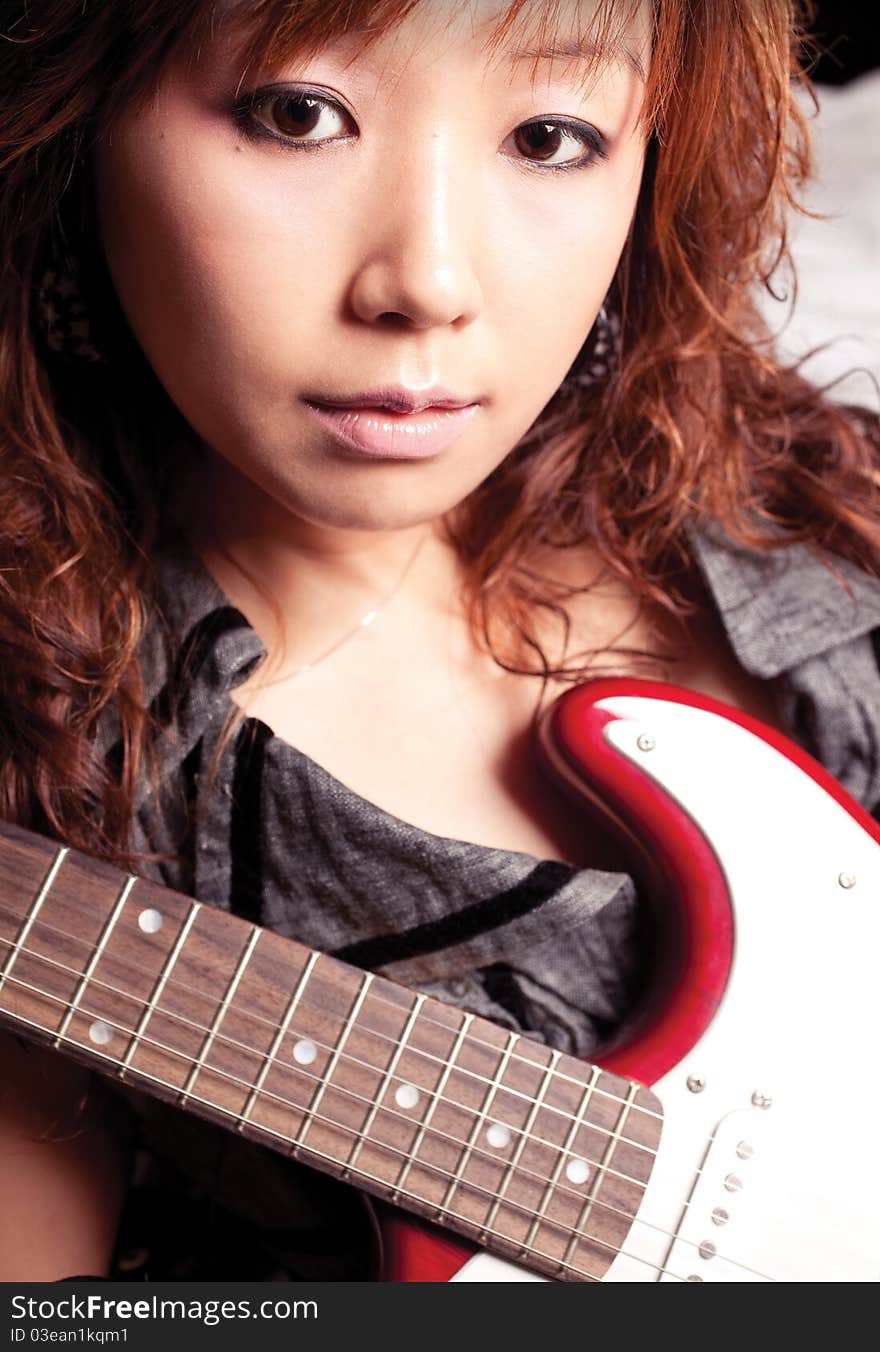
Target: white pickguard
pixel 791 1191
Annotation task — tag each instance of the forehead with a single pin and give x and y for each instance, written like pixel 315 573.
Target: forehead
pixel 583 34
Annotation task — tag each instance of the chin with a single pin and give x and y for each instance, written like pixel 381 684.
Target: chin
pixel 399 507
pixel 368 516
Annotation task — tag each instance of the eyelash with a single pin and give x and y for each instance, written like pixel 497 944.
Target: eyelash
pixel 244 114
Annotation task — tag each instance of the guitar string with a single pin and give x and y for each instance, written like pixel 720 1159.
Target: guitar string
pixel 476 1042
pixel 453 1103
pixel 481 1229
pixel 345 1056
pixel 554 1146
pixel 495 1160
pixel 321 1008
pixel 324 1119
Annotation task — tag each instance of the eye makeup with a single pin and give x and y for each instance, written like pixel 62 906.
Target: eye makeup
pixel 274 113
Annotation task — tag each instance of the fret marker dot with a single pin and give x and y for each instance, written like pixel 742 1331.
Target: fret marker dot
pixel 150 920
pixel 498 1135
pixel 406 1096
pixel 305 1051
pixel 100 1032
pixel 577 1171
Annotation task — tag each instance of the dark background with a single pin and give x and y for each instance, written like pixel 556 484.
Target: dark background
pixel 850 29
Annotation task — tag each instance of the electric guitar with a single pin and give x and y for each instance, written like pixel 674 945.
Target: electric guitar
pixel 728 1139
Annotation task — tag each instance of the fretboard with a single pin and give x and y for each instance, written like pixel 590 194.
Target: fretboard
pixel 515 1146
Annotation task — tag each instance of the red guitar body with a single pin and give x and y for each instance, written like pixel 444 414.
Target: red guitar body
pixel 728 822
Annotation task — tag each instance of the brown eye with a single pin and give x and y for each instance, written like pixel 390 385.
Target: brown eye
pixel 544 142
pixel 296 116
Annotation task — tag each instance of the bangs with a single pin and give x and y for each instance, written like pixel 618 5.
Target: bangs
pixel 274 33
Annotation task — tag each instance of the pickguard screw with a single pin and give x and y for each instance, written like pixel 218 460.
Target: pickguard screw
pixel 846 880
pixel 645 742
pixel 696 1084
pixel 760 1100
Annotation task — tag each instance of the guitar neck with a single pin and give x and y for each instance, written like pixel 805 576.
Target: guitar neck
pixel 513 1145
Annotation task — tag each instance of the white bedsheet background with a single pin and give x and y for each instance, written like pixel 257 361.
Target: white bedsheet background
pixel 838 259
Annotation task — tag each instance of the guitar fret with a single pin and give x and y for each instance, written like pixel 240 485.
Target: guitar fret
pixel 386 1079
pixel 309 1115
pixel 487 1229
pixel 150 1007
pixel 599 1175
pixel 363 1177
pixel 517 1153
pixel 488 1100
pixel 331 1157
pixel 304 1056
pixel 199 1063
pixel 106 931
pixel 269 1058
pixel 31 916
pixel 436 1097
pixel 587 1095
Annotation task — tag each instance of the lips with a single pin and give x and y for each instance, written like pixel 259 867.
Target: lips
pixel 394 399
pixel 381 433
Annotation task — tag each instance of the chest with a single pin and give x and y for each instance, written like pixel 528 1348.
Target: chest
pixel 435 733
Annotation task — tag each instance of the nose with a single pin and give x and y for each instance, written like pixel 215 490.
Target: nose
pixel 416 241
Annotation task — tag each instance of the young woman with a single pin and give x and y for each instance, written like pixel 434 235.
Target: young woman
pixel 370 374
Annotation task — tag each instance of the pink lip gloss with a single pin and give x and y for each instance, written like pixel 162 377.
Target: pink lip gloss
pixel 378 433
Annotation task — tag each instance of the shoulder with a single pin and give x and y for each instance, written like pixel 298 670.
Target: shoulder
pixel 807 624
pixel 784 605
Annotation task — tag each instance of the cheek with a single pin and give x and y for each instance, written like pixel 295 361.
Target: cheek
pixel 557 244
pixel 559 264
pixel 213 270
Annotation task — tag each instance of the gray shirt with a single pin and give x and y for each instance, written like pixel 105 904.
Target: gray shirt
pixel 547 948
pixel 542 946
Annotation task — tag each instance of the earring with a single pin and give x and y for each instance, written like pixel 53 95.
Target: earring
pixel 63 315
pixel 599 354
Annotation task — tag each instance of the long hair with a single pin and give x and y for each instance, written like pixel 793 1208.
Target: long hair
pixel 699 421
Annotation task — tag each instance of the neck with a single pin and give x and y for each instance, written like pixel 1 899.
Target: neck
pixel 300 582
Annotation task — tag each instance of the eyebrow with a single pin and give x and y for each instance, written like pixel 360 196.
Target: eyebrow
pixel 583 49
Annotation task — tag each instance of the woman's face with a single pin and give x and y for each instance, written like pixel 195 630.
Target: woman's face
pixel 423 215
